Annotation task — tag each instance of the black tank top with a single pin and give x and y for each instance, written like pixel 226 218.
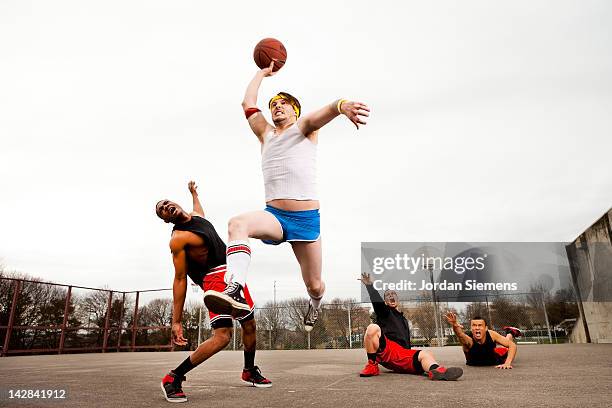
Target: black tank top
pixel 481 354
pixel 213 242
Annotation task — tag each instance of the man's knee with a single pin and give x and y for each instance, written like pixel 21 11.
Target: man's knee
pixel 425 354
pixel 222 336
pixel 237 225
pixel 373 331
pixel 249 326
pixel 315 288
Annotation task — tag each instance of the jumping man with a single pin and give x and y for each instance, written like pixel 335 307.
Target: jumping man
pixel 288 149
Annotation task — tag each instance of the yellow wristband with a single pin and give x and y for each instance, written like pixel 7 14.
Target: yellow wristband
pixel 339 105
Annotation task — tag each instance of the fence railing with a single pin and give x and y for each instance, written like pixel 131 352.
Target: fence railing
pixel 40 317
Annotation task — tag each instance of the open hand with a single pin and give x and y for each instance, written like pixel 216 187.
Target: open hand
pixel 451 318
pixel 177 335
pixel 366 279
pixel 355 111
pixel 192 187
pixel 504 366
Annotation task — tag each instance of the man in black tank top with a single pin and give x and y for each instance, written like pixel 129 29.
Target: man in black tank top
pixel 199 253
pixel 388 341
pixel 480 347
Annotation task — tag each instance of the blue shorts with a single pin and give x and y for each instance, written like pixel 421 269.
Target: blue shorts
pixel 297 225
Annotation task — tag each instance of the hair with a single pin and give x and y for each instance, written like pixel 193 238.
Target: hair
pixel 291 99
pixel 480 318
pixel 157 208
pixel 388 291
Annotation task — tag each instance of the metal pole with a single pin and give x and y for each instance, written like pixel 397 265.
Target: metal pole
pixel 350 332
pixel 546 318
pixel 234 335
pixel 489 311
pixel 65 322
pixel 200 327
pixel 308 340
pixel 9 329
pixel 435 304
pixel 120 326
pixel 107 321
pixel 135 322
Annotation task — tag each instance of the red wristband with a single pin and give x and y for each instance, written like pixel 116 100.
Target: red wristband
pixel 250 112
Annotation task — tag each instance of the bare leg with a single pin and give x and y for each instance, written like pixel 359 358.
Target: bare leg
pixel 372 338
pixel 309 257
pixel 426 359
pixel 255 224
pixel 220 339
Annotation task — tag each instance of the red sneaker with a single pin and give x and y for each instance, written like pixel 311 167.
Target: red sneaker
pixel 253 377
pixel 171 386
pixel 513 331
pixel 445 374
pixel 370 369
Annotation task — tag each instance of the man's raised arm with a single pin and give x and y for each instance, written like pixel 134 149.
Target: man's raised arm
pixel 380 308
pixel 197 206
pixel 355 111
pixel 464 339
pixel 259 125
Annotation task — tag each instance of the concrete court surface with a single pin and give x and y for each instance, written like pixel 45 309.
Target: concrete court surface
pixel 566 375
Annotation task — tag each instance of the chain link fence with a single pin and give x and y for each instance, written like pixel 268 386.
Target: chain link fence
pixel 37 317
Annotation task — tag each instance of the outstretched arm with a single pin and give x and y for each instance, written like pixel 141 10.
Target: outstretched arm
pixel 465 340
pixel 259 125
pixel 504 341
pixel 179 290
pixel 380 308
pixel 197 206
pixel 355 111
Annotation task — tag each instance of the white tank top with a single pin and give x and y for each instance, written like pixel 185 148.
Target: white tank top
pixel 289 164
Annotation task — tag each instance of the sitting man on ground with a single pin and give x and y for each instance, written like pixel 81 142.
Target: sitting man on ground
pixel 388 341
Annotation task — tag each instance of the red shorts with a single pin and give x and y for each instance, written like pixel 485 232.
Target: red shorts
pixel 502 352
pixel 215 280
pixel 399 359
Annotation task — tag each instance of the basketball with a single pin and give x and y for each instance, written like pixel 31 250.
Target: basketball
pixel 267 50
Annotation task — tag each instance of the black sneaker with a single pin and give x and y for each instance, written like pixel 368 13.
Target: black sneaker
pixel 171 386
pixel 445 374
pixel 229 302
pixel 311 317
pixel 253 377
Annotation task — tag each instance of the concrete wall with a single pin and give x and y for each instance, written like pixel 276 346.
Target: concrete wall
pixel 590 257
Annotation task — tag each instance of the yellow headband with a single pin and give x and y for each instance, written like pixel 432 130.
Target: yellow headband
pixel 296 108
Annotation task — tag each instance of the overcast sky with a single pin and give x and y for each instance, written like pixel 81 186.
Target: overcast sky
pixel 490 122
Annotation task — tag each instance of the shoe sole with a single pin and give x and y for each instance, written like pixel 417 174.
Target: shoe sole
pixel 451 374
pixel 252 384
pixel 220 303
pixel 169 399
pixel 367 375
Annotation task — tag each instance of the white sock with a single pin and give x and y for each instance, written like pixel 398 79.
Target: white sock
pixel 238 260
pixel 316 301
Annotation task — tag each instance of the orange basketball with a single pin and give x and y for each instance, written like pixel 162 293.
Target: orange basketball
pixel 267 50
